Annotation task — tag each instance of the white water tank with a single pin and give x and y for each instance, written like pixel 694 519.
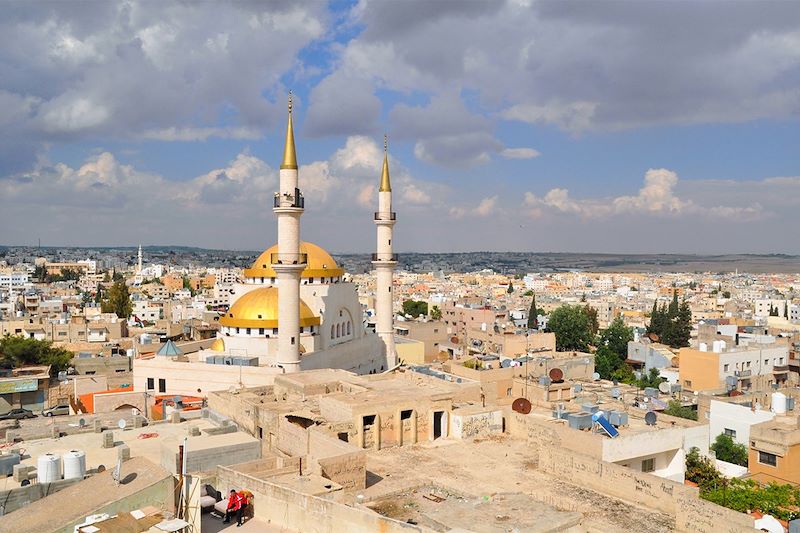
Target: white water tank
pixel 717 346
pixel 48 468
pixel 703 347
pixel 74 464
pixel 778 403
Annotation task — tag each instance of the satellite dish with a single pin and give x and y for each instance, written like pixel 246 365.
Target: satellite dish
pixel 615 393
pixel 521 405
pixel 653 337
pixel 650 418
pixel 101 469
pixel 454 340
pixel 556 374
pixel 496 328
pixel 664 387
pixel 505 363
pixel 121 424
pixel 577 388
pixel 595 376
pixel 62 376
pixel 81 422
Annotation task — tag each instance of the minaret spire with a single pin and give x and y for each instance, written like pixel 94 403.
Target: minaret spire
pixel 139 263
pixel 386 185
pixel 289 154
pixel 384 261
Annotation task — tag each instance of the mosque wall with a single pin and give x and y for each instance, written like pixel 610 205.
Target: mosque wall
pixel 360 356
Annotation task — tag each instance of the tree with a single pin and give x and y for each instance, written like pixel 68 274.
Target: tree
pixel 606 362
pixel 673 323
pixel 700 470
pixel 572 328
pixel 533 319
pixel 116 276
pixel 729 451
pixel 676 408
pixel 117 300
pixel 436 313
pixel 624 374
pixel 415 308
pixel 40 273
pixel 616 337
pixel 16 350
pixel 726 294
pixel 591 314
pixel 651 379
pixel 510 288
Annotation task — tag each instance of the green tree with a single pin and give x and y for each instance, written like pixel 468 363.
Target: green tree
pixel 117 300
pixel 676 408
pixel 533 319
pixel 40 273
pixel 16 350
pixel 510 288
pixel 606 362
pixel 591 314
pixel 572 328
pixel 415 308
pixel 436 313
pixel 701 470
pixel 624 374
pixel 529 292
pixel 106 277
pixel 673 323
pixel 729 451
pixel 616 337
pixel 651 379
pixel 116 276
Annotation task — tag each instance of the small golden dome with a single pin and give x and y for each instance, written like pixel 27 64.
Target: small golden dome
pixel 320 263
pixel 218 345
pixel 259 309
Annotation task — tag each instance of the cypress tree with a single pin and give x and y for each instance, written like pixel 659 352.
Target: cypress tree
pixel 533 319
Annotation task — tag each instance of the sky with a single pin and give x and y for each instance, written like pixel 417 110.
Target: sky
pixel 554 126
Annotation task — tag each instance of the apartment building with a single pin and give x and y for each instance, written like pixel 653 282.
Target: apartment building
pixel 740 367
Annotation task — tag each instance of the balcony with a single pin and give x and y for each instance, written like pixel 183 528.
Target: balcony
pixel 287 200
pixel 743 373
pixel 288 259
pixel 389 215
pixel 780 369
pixel 384 257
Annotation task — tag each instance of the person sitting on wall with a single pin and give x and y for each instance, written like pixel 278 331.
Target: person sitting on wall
pixel 235 506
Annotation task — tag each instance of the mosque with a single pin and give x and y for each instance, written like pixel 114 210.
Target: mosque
pixel 293 309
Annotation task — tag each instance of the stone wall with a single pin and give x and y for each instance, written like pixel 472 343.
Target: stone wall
pixel 338 461
pixel 21 496
pixel 469 424
pixel 285 508
pixel 110 402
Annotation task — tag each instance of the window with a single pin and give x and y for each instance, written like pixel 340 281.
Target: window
pixel 727 367
pixel 748 364
pixel 766 361
pixel 767 458
pixel 730 432
pixel 509 392
pixel 162 385
pixel 151 384
pixel 687 382
pixel 649 465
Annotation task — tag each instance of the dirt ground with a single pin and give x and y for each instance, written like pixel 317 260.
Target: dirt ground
pixel 498 466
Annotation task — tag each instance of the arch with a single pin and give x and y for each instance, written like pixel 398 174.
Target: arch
pixel 349 328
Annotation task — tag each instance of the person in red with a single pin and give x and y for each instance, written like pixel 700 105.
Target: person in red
pixel 235 505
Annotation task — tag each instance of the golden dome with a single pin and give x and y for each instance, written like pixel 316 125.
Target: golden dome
pixel 218 345
pixel 320 263
pixel 259 309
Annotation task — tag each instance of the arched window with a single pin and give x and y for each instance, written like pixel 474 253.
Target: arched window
pixel 348 327
pixel 333 331
pixel 338 330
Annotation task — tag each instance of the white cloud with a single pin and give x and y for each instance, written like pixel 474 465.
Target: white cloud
pixel 486 207
pixel 520 153
pixel 656 197
pixel 201 134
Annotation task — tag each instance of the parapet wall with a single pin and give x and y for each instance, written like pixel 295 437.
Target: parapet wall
pixel 284 507
pixel 579 463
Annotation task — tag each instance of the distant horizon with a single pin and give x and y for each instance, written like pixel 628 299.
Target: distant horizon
pixel 339 252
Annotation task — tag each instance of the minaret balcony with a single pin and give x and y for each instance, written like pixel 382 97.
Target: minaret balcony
pixel 388 215
pixel 288 200
pixel 288 259
pixel 384 258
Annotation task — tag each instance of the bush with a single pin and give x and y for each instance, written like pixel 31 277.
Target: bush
pixel 729 451
pixel 675 408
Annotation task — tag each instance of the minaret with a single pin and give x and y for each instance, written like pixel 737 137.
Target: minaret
pixel 288 263
pixel 384 262
pixel 139 265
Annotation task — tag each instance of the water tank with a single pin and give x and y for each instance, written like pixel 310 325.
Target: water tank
pixel 74 464
pixel 703 347
pixel 778 403
pixel 717 346
pixel 48 468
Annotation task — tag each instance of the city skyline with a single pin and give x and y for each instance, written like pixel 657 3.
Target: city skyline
pixel 622 129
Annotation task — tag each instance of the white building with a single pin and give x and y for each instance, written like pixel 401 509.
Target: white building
pixel 734 420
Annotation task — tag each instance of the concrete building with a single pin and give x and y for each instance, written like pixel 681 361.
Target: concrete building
pixel 741 367
pixel 735 420
pixel 25 387
pixel 430 334
pixel 775 451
